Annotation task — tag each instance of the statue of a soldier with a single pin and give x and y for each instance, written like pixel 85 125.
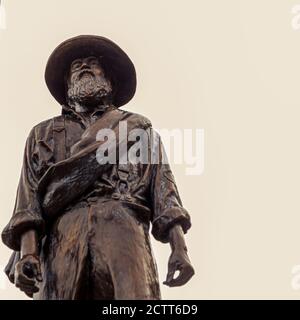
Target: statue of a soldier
pixel 80 226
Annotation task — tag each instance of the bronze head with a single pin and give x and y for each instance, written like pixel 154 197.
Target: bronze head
pixel 89 70
pixel 88 85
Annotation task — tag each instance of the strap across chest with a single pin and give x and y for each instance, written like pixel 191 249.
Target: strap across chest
pixel 59 137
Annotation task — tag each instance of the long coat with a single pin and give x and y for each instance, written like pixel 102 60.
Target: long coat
pixel 57 189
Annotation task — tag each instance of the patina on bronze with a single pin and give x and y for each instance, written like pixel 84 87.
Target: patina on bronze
pixel 80 230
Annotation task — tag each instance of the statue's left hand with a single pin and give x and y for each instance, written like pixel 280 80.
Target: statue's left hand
pixel 28 274
pixel 180 261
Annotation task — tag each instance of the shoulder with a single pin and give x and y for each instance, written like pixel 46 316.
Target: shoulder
pixel 44 129
pixel 143 121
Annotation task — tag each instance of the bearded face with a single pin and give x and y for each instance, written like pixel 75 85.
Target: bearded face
pixel 87 84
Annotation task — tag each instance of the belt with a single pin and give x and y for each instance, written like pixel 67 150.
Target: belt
pixel 121 193
pixel 138 209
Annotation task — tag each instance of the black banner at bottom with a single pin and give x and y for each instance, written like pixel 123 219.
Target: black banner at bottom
pixel 188 309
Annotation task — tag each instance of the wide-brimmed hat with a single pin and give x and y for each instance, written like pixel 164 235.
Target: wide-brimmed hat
pixel 113 58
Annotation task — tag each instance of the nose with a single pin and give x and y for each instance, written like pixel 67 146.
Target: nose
pixel 84 65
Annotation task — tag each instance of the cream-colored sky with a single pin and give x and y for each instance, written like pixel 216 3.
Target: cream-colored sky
pixel 231 67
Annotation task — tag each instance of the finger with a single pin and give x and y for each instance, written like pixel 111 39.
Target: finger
pixel 37 272
pixel 184 276
pixel 29 294
pixel 39 277
pixel 170 275
pixel 29 289
pixel 22 279
pixel 23 286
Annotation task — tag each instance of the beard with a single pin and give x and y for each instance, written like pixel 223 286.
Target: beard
pixel 89 90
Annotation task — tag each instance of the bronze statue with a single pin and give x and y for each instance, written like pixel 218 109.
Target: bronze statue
pixel 80 228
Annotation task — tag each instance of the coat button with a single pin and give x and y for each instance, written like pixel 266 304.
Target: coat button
pixel 116 196
pixel 129 198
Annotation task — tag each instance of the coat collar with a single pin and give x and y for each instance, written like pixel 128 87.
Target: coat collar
pixel 83 118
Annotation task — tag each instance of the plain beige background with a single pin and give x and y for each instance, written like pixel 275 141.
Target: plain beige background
pixel 231 67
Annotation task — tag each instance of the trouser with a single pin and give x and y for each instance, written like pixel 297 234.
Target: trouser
pixel 99 252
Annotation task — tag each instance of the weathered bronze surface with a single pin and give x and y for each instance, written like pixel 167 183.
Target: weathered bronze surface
pixel 80 229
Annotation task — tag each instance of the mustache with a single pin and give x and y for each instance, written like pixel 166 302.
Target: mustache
pixel 82 72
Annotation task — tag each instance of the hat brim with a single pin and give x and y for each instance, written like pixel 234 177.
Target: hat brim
pixel 115 61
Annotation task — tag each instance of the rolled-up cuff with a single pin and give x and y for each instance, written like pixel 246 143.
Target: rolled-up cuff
pixel 20 223
pixel 170 217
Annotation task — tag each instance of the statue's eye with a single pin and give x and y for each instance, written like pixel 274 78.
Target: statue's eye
pixel 76 65
pixel 94 63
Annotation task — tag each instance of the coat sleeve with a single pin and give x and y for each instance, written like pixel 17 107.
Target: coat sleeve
pixel 166 203
pixel 27 212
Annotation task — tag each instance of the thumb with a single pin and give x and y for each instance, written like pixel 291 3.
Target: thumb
pixel 171 272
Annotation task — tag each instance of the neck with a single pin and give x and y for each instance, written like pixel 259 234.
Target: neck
pixel 89 115
pixel 87 110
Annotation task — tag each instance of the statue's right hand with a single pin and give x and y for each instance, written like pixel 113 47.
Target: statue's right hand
pixel 28 274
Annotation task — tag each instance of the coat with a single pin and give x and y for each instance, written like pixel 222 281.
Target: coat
pixel 58 185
